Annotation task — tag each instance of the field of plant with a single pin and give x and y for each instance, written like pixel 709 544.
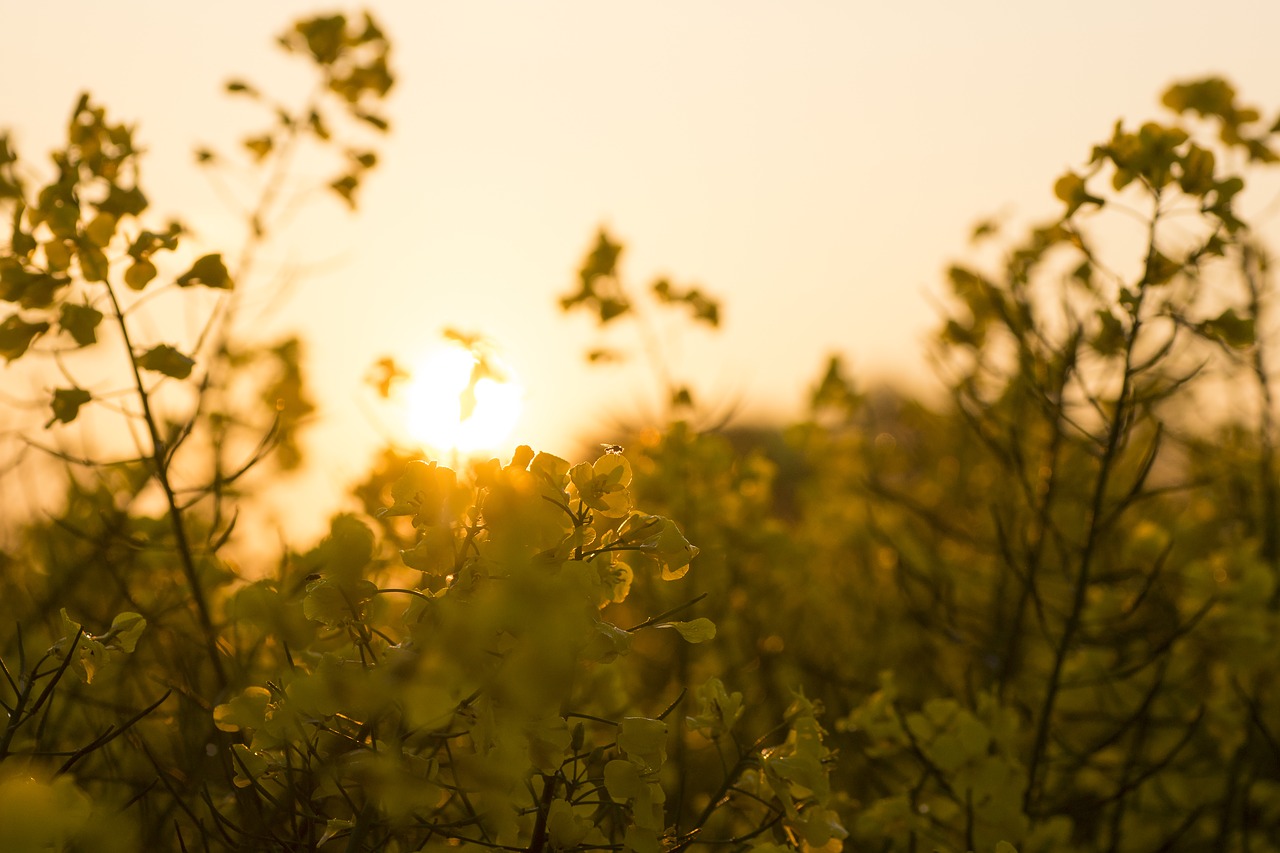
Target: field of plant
pixel 1039 615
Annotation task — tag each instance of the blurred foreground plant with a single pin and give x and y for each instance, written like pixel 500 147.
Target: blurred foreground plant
pixel 89 274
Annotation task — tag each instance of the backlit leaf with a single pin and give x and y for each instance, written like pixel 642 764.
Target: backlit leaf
pixel 17 334
pixel 167 360
pixel 67 402
pixel 139 273
pixel 209 271
pixel 81 322
pixel 101 229
pixel 696 631
pixel 93 263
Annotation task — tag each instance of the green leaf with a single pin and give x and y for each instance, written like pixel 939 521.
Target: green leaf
pixel 1071 189
pixel 57 255
pixel 644 741
pixel 1109 338
pixel 240 87
pixel 139 274
pixel 209 271
pixel 695 631
pixel 17 334
pixel 565 829
pixel 346 187
pixel 123 202
pixel 337 604
pixel 623 781
pixel 20 241
pixel 373 120
pixel 167 360
pixel 93 263
pixel 434 553
pixel 125 631
pixel 718 710
pixel 248 710
pixel 1231 329
pixel 1197 171
pixel 259 146
pixel 81 322
pixel 672 551
pixel 101 229
pixel 324 36
pixel 66 404
pixel 1161 268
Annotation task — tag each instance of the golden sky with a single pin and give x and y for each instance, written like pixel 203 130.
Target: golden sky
pixel 815 164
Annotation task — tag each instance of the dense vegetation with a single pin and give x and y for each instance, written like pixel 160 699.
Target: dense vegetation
pixel 1041 615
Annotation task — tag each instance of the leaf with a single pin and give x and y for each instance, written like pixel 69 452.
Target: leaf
pixel 1161 268
pixel 101 229
pixel 1197 171
pixel 123 202
pixel 644 741
pixel 376 121
pixel 347 549
pixel 1109 338
pixel 346 187
pixel 249 763
pixel 434 553
pixel 623 781
pixel 66 404
pixel 565 829
pixel 248 710
pixel 1071 189
pixel 167 360
pixel 93 263
pixel 335 827
pixel 259 146
pixel 57 255
pixel 695 631
pixel 209 271
pixel 1231 329
pixel 17 334
pixel 337 604
pixel 81 322
pixel 324 36
pixel 718 710
pixel 240 87
pixel 673 551
pixel 125 631
pixel 139 274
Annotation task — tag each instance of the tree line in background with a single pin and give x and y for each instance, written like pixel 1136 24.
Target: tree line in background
pixel 1040 616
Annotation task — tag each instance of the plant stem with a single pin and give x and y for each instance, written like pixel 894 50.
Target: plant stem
pixel 161 466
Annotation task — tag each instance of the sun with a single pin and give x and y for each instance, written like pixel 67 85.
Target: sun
pixel 460 399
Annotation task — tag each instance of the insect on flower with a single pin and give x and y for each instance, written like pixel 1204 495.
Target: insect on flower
pixel 615 449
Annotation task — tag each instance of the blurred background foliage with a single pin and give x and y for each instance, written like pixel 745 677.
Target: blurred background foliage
pixel 1041 612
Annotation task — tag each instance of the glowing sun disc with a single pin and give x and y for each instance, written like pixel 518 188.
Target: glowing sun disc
pixel 441 387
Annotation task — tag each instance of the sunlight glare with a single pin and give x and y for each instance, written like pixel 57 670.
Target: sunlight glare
pixel 441 386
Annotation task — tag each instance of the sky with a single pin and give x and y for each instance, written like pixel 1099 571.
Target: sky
pixel 816 165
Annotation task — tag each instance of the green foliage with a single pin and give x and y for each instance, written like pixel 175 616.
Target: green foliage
pixel 1036 614
pixel 603 293
pixel 1042 614
pixel 481 704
